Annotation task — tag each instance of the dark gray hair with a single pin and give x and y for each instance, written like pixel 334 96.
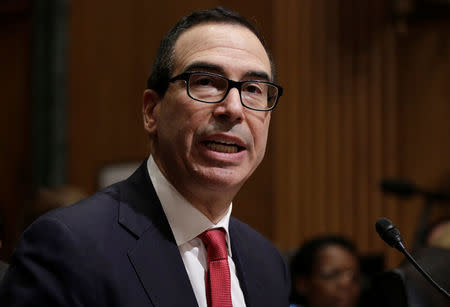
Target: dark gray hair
pixel 162 68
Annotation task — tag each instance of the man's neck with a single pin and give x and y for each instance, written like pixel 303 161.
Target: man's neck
pixel 214 204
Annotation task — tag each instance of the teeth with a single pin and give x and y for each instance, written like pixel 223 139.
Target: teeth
pixel 226 148
pixel 227 143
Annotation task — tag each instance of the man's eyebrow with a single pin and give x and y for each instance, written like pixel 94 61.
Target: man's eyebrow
pixel 205 66
pixel 257 75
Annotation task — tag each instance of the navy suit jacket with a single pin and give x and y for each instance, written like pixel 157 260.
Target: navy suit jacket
pixel 116 248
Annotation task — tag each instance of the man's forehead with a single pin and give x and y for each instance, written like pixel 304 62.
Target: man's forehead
pixel 211 67
pixel 219 46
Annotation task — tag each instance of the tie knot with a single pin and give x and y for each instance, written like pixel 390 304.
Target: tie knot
pixel 215 243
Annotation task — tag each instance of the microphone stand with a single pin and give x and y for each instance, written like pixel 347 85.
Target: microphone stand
pixel 391 235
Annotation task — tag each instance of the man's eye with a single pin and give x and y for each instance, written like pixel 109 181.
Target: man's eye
pixel 253 88
pixel 203 81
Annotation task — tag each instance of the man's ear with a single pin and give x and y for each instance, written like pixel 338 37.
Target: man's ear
pixel 150 110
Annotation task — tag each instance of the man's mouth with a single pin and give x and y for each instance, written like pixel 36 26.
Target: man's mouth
pixel 224 147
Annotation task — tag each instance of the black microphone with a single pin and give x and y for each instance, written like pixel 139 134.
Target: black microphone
pixel 390 234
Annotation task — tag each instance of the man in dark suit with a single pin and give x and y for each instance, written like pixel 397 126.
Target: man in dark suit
pixel 141 242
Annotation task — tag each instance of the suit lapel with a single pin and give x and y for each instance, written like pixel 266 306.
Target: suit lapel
pixel 155 258
pixel 158 264
pixel 245 268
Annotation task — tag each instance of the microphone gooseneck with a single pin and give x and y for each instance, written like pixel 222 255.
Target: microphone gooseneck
pixel 391 235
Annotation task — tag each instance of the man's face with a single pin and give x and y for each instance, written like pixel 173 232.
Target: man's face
pixel 205 147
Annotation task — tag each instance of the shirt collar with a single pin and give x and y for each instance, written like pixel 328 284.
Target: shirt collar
pixel 186 221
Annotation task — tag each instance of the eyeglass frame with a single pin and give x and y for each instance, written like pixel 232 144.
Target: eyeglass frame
pixel 185 76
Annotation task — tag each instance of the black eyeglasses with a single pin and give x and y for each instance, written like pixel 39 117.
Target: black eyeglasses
pixel 213 88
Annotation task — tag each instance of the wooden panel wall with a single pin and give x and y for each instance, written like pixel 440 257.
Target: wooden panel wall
pixel 423 54
pixel 343 123
pixel 335 134
pixel 360 103
pixel 337 127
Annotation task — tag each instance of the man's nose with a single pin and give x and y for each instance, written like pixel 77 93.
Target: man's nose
pixel 231 107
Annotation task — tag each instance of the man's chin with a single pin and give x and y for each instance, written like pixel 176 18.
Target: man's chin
pixel 222 179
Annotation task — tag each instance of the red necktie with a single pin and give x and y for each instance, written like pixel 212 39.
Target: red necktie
pixel 217 279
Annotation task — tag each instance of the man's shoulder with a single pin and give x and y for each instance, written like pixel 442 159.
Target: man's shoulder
pixel 129 204
pixel 99 211
pixel 94 221
pixel 105 202
pixel 100 204
pixel 250 236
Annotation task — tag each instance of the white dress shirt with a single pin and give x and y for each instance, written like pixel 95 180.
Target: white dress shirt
pixel 187 222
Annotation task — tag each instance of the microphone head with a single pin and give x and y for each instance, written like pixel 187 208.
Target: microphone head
pixel 389 233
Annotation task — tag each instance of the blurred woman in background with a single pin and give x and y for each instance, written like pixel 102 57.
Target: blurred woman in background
pixel 325 272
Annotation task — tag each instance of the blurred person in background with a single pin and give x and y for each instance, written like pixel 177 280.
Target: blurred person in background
pixel 325 272
pixel 437 234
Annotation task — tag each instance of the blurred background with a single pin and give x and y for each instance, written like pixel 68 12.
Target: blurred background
pixel 367 97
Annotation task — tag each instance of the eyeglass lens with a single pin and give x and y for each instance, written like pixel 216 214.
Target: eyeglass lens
pixel 210 88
